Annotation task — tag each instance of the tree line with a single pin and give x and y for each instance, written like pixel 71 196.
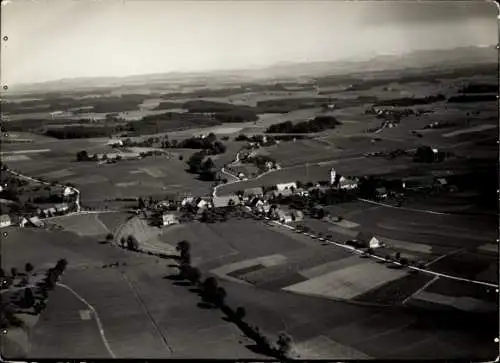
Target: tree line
pixel 318 124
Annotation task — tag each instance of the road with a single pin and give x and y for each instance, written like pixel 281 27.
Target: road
pixel 354 250
pixel 75 190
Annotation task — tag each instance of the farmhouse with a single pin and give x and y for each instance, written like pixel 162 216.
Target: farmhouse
pixel 169 219
pixel 302 192
pixel 285 186
pixel 35 221
pixel 347 184
pixel 381 192
pixel 61 208
pixel 297 215
pixel 5 220
pixel 365 239
pixel 283 216
pixel 223 201
pixel 68 191
pixel 23 222
pixel 49 212
pixel 186 201
pixel 115 142
pixel 201 203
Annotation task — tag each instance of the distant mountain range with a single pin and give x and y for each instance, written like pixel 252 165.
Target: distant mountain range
pixel 419 59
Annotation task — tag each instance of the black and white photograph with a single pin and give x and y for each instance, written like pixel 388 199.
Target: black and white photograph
pixel 249 180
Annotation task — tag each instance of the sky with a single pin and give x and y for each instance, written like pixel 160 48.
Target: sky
pixel 54 39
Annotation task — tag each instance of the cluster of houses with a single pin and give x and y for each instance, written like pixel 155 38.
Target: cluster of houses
pixel 35 219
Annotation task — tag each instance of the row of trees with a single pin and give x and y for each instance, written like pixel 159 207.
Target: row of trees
pixel 28 299
pixel 318 124
pixel 215 295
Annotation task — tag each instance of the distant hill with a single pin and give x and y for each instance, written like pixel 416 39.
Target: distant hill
pixel 418 59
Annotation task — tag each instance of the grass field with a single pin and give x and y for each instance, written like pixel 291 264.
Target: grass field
pixel 215 245
pixel 83 225
pixel 130 299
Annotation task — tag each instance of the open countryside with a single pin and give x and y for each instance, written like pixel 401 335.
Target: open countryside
pixel 334 210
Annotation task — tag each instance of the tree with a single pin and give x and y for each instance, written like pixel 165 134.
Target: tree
pixel 82 155
pixel 132 243
pixel 29 298
pixel 28 268
pixel 284 343
pixel 185 258
pixel 424 154
pixel 208 165
pixel 210 287
pixel 195 162
pixel 194 275
pixel 183 246
pixel 240 313
pixel 61 265
pixel 220 296
pixel 211 137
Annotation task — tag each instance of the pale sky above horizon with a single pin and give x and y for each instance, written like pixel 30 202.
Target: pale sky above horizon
pixel 54 39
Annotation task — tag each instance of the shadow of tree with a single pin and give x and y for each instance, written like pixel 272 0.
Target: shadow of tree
pixel 172 277
pixel 205 305
pixel 182 283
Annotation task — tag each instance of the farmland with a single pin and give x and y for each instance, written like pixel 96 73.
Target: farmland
pixel 331 301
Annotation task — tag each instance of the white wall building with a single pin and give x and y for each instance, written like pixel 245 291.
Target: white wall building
pixel 5 220
pixel 68 191
pixel 285 186
pixel 169 219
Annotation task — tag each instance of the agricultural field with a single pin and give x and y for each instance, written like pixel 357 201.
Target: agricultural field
pixel 333 303
pixel 167 329
pixel 82 225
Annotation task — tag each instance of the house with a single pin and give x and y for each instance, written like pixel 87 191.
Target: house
pixel 347 184
pixel 169 219
pixel 366 240
pixel 249 192
pixel 297 215
pixel 5 220
pixel 68 191
pixel 115 142
pixel 223 201
pixel 255 202
pixel 36 222
pixel 61 208
pixel 285 186
pixel 269 165
pixel 381 192
pixel 186 201
pixel 23 222
pixel 441 182
pixel 283 216
pixel 202 204
pixel 302 192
